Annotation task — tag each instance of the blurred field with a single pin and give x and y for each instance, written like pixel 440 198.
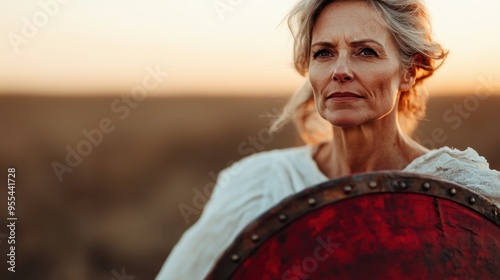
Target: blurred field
pixel 119 208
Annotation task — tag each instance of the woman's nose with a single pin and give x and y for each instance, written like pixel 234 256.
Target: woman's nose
pixel 341 72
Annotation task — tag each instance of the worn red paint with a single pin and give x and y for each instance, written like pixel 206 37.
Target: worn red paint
pixel 381 236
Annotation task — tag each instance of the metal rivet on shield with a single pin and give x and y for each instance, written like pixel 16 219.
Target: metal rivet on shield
pixel 282 217
pixel 472 200
pixel 403 185
pixel 235 258
pixel 347 189
pixel 426 186
pixel 255 238
pixel 493 213
pixel 372 184
pixel 453 191
pixel 311 201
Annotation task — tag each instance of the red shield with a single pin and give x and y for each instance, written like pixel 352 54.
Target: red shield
pixel 386 225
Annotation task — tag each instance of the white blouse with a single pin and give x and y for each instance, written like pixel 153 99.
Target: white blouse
pixel 253 185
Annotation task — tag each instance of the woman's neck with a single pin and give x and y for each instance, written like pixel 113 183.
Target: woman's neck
pixel 380 145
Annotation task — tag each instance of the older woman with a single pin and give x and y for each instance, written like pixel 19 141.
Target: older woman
pixel 365 61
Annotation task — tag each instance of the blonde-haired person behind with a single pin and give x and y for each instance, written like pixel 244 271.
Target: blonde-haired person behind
pixel 365 61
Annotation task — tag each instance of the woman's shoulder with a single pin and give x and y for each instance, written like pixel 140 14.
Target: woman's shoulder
pixel 446 154
pixel 278 155
pixel 268 161
pixel 291 168
pixel 464 167
pixel 448 159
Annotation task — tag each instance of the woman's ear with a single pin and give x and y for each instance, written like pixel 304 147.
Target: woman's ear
pixel 409 76
pixel 408 80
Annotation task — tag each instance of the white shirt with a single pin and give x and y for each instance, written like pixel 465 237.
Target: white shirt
pixel 255 184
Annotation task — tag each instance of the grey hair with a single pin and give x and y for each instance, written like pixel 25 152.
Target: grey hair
pixel 408 21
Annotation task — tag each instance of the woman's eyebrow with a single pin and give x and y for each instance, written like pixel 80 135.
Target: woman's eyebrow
pixel 353 43
pixel 324 44
pixel 364 41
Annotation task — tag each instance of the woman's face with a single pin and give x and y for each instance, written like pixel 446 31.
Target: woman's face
pixel 354 66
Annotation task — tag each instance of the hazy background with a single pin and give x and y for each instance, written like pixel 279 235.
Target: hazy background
pixel 67 68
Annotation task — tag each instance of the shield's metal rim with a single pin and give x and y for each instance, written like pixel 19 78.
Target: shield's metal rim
pixel 285 212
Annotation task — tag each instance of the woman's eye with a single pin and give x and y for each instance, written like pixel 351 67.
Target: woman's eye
pixel 368 52
pixel 322 52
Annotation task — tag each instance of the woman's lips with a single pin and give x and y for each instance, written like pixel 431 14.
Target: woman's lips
pixel 344 96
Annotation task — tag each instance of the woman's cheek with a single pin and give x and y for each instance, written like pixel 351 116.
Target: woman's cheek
pixel 316 80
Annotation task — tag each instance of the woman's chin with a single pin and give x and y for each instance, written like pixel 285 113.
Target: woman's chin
pixel 343 121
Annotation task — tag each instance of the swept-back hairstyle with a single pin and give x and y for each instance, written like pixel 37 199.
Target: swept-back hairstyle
pixel 408 22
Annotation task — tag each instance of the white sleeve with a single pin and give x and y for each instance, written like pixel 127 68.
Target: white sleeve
pixel 466 168
pixel 238 198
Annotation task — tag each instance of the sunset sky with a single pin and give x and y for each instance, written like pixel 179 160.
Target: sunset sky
pixel 94 47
